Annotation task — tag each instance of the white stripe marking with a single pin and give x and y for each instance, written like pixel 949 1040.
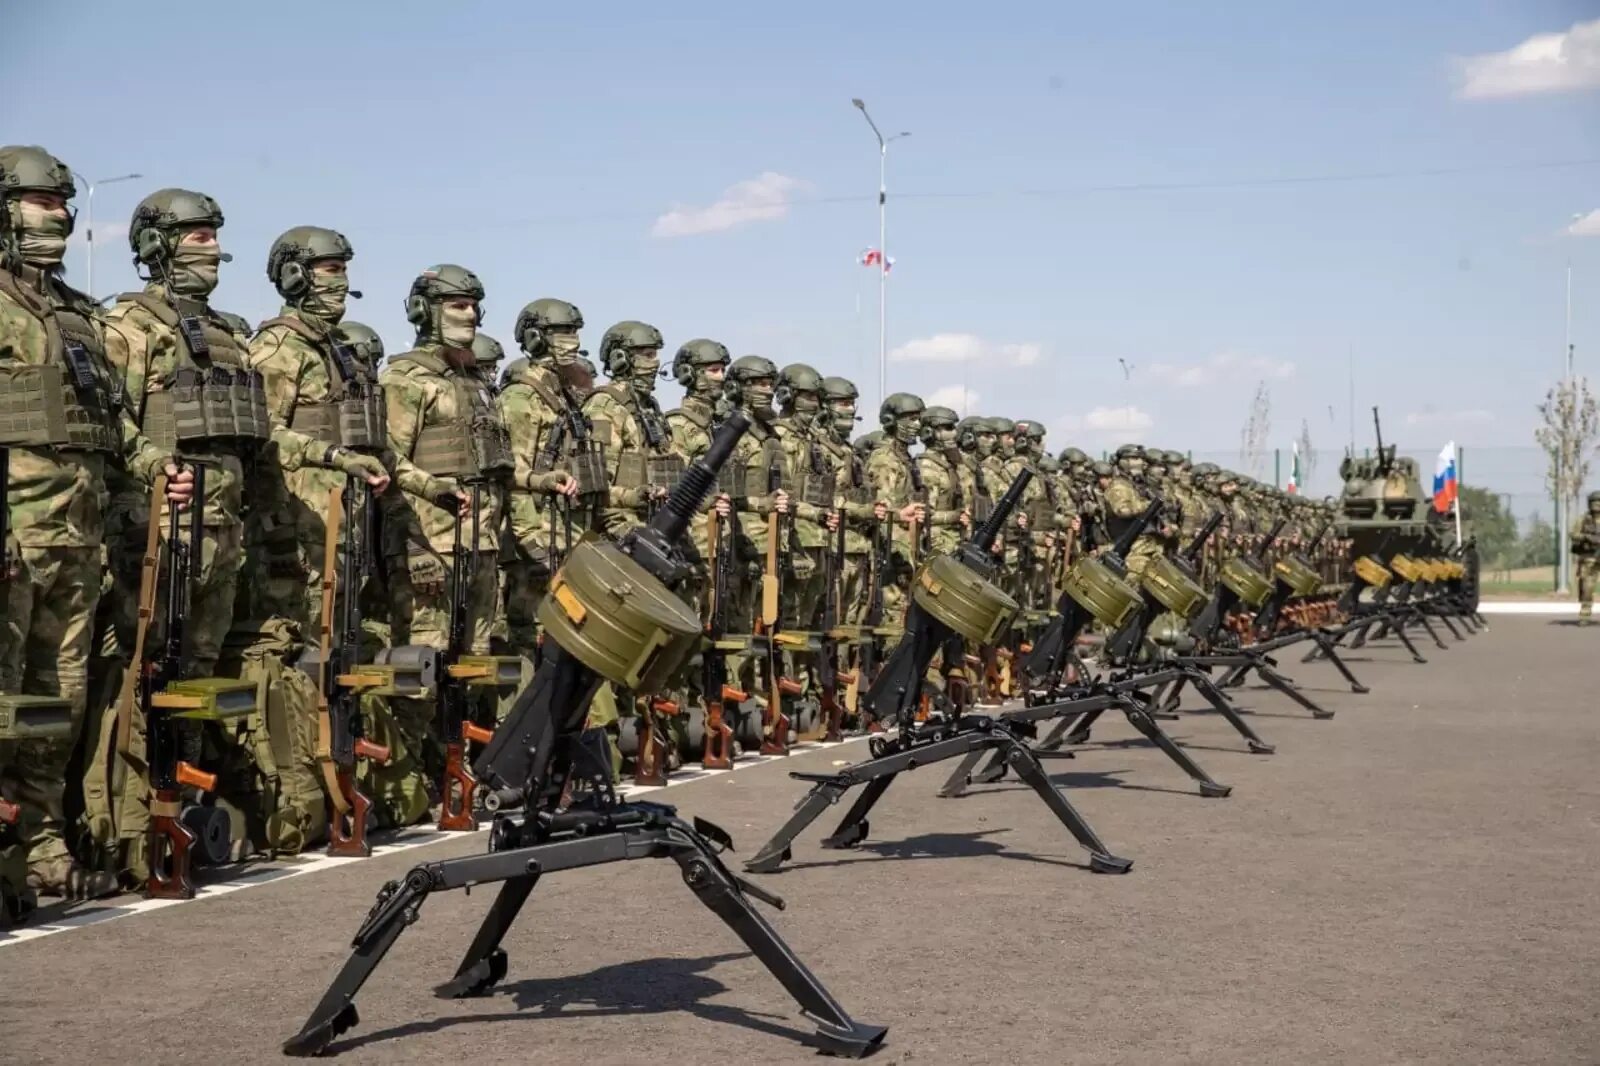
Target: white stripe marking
pixel 264 872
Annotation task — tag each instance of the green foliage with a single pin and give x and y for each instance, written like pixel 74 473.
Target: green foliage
pixel 1538 545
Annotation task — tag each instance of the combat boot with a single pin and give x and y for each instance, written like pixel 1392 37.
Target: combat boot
pixel 67 878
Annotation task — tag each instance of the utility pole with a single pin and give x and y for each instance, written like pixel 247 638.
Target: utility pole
pixel 1563 548
pixel 88 234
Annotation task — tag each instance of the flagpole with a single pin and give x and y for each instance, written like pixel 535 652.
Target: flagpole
pixel 883 251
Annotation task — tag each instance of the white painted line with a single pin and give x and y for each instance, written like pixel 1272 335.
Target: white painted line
pixel 267 872
pixel 1528 607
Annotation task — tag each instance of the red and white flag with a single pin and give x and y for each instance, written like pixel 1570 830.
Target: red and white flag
pixel 873 257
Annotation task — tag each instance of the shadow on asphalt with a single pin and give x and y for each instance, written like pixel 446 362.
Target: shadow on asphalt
pixel 936 846
pixel 1571 622
pixel 648 986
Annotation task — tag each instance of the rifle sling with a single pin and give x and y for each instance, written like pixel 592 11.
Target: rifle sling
pixel 149 571
pixel 332 527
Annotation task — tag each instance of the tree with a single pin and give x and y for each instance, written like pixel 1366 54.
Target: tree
pixel 1571 424
pixel 1492 525
pixel 1538 544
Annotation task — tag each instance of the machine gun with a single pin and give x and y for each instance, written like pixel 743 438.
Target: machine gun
pixel 457 785
pixel 592 637
pixel 341 727
pixel 1176 579
pixel 1241 579
pixel 170 701
pixel 951 598
pixel 1292 575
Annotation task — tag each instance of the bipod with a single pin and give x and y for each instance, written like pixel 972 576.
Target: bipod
pixel 1335 636
pixel 919 745
pixel 609 831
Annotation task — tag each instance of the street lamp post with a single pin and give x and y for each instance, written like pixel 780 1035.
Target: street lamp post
pixel 883 250
pixel 1563 519
pixel 88 233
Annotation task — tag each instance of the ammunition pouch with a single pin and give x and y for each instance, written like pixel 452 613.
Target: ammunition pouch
pixel 982 507
pixel 1173 587
pixel 357 421
pixel 199 407
pixel 475 449
pixel 817 488
pixel 664 469
pixel 44 406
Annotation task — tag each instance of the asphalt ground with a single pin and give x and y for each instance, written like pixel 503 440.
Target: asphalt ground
pixel 1413 881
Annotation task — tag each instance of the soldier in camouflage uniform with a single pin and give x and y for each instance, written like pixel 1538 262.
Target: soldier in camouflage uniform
pixel 750 386
pixel 317 386
pixel 853 496
pixel 895 479
pixel 1125 500
pixel 51 342
pixel 629 425
pixel 487 355
pixel 451 450
pixel 945 480
pixel 700 366
pixel 540 395
pixel 799 399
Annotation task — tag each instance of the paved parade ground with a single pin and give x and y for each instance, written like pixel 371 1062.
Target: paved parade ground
pixel 1416 880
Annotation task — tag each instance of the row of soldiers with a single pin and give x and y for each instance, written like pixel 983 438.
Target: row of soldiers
pixel 114 419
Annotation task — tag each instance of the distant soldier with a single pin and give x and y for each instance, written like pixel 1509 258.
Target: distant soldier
pixel 630 426
pixel 853 496
pixel 812 479
pixel 895 479
pixel 1586 546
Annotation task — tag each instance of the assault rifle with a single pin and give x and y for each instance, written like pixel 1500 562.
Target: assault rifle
pixel 828 675
pixel 872 616
pixel 341 727
pixel 716 691
pixel 542 745
pixel 457 785
pixel 169 699
pixel 774 723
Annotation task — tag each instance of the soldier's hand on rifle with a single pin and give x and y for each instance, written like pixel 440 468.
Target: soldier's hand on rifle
pixel 566 485
pixel 364 467
pixel 780 502
pixel 1022 520
pixel 723 505
pixel 426 569
pixel 180 486
pixel 911 512
pixel 965 519
pixel 832 521
pixel 1075 523
pixel 880 510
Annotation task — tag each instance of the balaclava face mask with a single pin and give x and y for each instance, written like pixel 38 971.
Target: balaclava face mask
pixel 41 233
pixel 193 269
pixel 457 326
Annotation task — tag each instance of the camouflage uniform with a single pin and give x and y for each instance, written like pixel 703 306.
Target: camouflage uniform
pixel 811 489
pixel 57 478
pixel 1125 501
pixel 1586 549
pixel 852 495
pixel 895 478
pixel 629 424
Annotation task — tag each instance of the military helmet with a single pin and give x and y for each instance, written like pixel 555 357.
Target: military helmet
pixel 898 405
pixel 1028 427
pixel 1049 464
pixel 835 388
pixel 935 419
pixel 1101 468
pixel 1172 458
pixel 1205 470
pixel 867 441
pixel 153 233
pixel 291 255
pixel 967 431
pixel 363 338
pixel 1130 451
pixel 622 340
pixel 29 168
pixel 1074 456
pixel 796 377
pixel 1000 425
pixel 439 283
pixel 486 351
pixel 751 368
pixel 695 354
pixel 1594 498
pixel 544 314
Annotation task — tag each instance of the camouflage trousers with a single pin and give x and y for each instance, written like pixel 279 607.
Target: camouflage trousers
pixel 1588 574
pixel 526 582
pixel 44 651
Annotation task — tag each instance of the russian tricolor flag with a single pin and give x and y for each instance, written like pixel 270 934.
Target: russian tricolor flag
pixel 1444 479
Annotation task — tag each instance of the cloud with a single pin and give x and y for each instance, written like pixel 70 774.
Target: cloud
pixel 1227 366
pixel 959 399
pixel 1471 416
pixel 1544 63
pixel 1585 225
pixel 761 199
pixel 965 348
pixel 1103 424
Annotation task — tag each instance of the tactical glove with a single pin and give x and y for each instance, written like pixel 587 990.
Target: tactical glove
pixel 358 465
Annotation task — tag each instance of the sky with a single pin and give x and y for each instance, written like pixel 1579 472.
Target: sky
pixel 1116 219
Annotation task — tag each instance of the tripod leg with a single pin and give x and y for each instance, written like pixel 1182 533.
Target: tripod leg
pixel 1234 677
pixel 956 784
pixel 1287 687
pixel 1339 664
pixel 775 852
pixel 1225 707
pixel 1139 717
pixel 1405 639
pixel 853 829
pixel 837 1033
pixel 1444 619
pixel 485 962
pixel 1058 734
pixel 1079 733
pixel 1171 695
pixel 1029 769
pixel 1423 621
pixel 992 771
pixel 397 907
